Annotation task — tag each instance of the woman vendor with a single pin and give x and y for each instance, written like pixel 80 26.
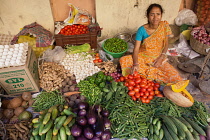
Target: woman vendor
pixel 149 54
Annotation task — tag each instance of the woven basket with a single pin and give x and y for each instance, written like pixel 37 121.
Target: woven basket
pixel 198 46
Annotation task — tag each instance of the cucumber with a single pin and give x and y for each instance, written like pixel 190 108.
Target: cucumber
pixel 156 130
pixel 61 121
pixel 63 133
pixel 59 137
pixel 72 122
pixel 67 130
pixel 173 135
pixel 55 131
pixel 46 118
pixel 43 136
pixel 31 138
pixel 151 130
pixel 54 113
pixel 41 127
pixel 195 126
pixel 35 120
pixel 189 136
pixel 68 112
pixel 35 131
pixel 186 123
pixel 178 122
pixel 155 121
pixel 181 131
pixel 68 120
pixel 166 133
pixel 49 135
pixel 57 119
pixel 105 90
pixel 158 124
pixel 70 137
pixel 161 134
pixel 37 137
pixel 169 123
pixel 47 127
pixel 36 125
pixel 108 96
pixel 55 137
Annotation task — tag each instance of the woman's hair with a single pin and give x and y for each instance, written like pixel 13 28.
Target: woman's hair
pixel 154 5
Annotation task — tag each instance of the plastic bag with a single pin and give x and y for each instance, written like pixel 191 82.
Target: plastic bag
pixel 72 13
pixel 55 55
pixel 186 16
pixel 105 56
pixel 183 48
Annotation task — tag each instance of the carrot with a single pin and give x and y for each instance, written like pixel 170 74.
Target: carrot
pixel 66 94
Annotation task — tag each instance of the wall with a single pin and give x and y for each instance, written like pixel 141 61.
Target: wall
pixel 16 14
pixel 116 16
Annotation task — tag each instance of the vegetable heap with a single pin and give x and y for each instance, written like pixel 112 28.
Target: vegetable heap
pixel 115 45
pixel 201 35
pixel 75 29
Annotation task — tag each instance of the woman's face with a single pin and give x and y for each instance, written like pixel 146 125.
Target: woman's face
pixel 155 16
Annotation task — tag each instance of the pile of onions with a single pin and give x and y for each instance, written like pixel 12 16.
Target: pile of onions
pixel 200 34
pixel 202 11
pixel 115 75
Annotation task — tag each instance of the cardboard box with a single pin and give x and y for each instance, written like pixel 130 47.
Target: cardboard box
pixel 21 78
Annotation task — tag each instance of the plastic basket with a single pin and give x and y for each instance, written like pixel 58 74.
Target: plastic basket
pixel 198 46
pixel 115 55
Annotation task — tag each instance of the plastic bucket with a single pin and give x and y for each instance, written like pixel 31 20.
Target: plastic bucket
pixel 115 55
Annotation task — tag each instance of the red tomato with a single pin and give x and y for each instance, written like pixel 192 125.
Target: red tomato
pixel 151 93
pixel 146 86
pixel 97 57
pixel 143 100
pixel 137 95
pixel 145 97
pixel 122 79
pixel 131 93
pixel 118 80
pixel 131 83
pixel 155 88
pixel 146 93
pixel 130 76
pixel 137 85
pixel 142 84
pixel 141 93
pixel 95 61
pixel 150 97
pixel 130 87
pixel 134 98
pixel 143 89
pixel 159 95
pixel 147 101
pixel 97 54
pixel 126 84
pixel 157 85
pixel 157 92
pixel 100 60
pixel 136 90
pixel 137 80
pixel 152 84
pixel 150 88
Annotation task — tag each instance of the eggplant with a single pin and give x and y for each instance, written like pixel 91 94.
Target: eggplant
pixel 83 105
pixel 81 120
pixel 208 132
pixel 91 116
pixel 107 123
pixel 88 133
pixel 81 138
pixel 82 112
pixel 98 108
pixel 99 126
pixel 106 135
pixel 76 130
pixel 95 138
pixel 105 113
pixel 202 137
pixel 75 110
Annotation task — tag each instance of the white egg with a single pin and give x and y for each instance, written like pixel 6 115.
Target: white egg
pixel 6 46
pixel 16 45
pixel 1 46
pixel 5 53
pixel 16 49
pixel 11 49
pixel 9 56
pixel 1 50
pixel 4 56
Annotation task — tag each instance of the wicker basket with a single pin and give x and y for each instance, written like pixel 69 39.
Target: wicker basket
pixel 198 46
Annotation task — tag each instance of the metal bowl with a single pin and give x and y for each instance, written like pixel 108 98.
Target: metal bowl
pixel 133 37
pixel 125 36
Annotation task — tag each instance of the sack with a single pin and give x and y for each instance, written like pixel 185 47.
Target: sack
pixel 186 16
pixel 105 56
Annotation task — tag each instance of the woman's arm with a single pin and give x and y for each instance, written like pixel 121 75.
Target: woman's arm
pixel 135 56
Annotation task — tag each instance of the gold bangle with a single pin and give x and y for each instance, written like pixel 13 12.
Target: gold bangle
pixel 135 64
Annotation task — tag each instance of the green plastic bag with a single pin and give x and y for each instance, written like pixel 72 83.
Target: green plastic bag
pixel 78 49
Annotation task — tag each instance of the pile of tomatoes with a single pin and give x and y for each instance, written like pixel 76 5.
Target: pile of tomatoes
pixel 75 29
pixel 97 58
pixel 141 88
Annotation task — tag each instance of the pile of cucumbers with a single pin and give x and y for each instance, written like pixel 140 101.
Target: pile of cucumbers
pixel 53 124
pixel 174 128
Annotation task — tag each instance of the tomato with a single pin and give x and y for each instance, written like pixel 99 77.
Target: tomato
pixel 157 85
pixel 131 93
pixel 97 54
pixel 142 84
pixel 137 85
pixel 151 93
pixel 100 60
pixel 159 95
pixel 150 97
pixel 137 80
pixel 157 92
pixel 118 80
pixel 137 95
pixel 141 93
pixel 130 76
pixel 150 88
pixel 134 98
pixel 145 97
pixel 130 87
pixel 146 93
pixel 147 101
pixel 152 84
pixel 97 57
pixel 95 61
pixel 126 84
pixel 143 100
pixel 146 86
pixel 131 83
pixel 122 79
pixel 143 89
pixel 155 88
pixel 136 90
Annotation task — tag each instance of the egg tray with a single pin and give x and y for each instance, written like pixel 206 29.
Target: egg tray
pixel 6 129
pixel 6 39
